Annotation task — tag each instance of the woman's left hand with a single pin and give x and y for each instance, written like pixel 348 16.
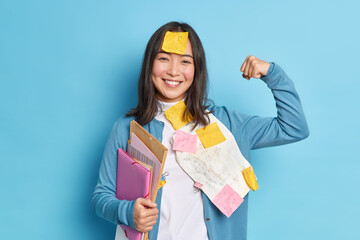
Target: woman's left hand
pixel 254 67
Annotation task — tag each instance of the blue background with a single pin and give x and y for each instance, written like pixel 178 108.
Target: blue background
pixel 69 69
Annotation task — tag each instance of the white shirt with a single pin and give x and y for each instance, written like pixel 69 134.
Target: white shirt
pixel 182 210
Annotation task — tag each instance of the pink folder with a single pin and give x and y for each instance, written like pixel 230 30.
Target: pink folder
pixel 132 182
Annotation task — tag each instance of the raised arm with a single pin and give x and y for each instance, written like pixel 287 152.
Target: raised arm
pixel 290 124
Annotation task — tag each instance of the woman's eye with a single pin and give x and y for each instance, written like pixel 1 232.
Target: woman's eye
pixel 163 59
pixel 186 62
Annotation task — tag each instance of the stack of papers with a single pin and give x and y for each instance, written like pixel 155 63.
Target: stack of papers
pixel 139 171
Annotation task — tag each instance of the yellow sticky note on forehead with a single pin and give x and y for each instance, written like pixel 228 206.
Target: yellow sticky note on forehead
pixel 175 42
pixel 250 178
pixel 175 115
pixel 210 135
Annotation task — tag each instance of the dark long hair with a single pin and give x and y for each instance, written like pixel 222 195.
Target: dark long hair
pixel 196 96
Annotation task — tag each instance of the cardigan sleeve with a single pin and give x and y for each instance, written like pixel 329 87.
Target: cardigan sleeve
pixel 104 201
pixel 289 125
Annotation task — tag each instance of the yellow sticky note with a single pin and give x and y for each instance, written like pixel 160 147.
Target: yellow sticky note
pixel 175 115
pixel 175 42
pixel 210 135
pixel 250 178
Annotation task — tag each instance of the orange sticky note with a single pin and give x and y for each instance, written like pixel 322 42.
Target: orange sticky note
pixel 175 42
pixel 175 115
pixel 210 135
pixel 250 178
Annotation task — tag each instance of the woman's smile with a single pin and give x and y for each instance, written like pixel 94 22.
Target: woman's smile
pixel 172 83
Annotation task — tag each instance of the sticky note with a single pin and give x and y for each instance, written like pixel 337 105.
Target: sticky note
pixel 184 142
pixel 175 42
pixel 175 115
pixel 250 178
pixel 210 135
pixel 198 185
pixel 227 200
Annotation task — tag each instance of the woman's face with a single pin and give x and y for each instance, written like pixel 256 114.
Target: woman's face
pixel 173 74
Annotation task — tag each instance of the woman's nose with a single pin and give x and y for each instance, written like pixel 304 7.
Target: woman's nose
pixel 174 69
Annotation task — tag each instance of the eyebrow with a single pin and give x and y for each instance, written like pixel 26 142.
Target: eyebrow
pixel 183 55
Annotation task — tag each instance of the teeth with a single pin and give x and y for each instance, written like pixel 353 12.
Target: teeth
pixel 172 83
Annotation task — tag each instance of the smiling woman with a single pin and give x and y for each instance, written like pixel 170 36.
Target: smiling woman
pixel 174 77
pixel 159 66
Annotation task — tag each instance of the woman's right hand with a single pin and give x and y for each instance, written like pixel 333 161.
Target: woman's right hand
pixel 145 214
pixel 254 67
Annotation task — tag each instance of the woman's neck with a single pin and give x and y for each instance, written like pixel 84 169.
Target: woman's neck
pixel 163 106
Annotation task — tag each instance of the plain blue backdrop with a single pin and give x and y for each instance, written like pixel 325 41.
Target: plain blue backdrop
pixel 69 69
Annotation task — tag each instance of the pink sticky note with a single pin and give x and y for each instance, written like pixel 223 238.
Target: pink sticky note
pixel 184 142
pixel 227 200
pixel 198 185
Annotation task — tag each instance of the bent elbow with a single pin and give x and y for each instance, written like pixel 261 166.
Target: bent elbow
pixel 307 134
pixel 303 133
pixel 304 136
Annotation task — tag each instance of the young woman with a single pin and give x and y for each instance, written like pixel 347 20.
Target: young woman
pixel 181 211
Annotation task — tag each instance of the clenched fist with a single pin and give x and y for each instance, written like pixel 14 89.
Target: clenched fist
pixel 254 67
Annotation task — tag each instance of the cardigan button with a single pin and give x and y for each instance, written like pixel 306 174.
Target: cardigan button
pixel 207 219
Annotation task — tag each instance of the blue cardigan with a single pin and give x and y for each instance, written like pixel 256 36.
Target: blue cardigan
pixel 250 132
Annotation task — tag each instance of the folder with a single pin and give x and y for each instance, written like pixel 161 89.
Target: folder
pixel 138 150
pixel 147 149
pixel 133 181
pixel 159 150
